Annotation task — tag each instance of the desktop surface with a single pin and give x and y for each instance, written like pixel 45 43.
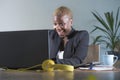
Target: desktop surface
pixel 60 75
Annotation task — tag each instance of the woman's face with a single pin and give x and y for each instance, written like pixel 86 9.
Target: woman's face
pixel 62 25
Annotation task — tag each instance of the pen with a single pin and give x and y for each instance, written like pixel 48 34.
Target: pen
pixel 91 66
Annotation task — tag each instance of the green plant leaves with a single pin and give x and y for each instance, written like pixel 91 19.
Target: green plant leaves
pixel 110 27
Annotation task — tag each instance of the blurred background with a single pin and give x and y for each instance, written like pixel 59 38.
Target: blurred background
pixel 17 15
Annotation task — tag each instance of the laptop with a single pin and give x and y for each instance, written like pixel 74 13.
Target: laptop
pixel 22 49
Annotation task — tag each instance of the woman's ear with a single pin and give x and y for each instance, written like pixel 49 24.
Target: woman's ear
pixel 71 21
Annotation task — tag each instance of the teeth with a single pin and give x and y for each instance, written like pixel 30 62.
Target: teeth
pixel 61 31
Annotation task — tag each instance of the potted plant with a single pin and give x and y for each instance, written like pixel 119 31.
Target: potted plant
pixel 110 26
pixel 117 49
pixel 118 45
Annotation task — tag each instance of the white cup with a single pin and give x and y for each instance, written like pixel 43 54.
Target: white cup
pixel 109 60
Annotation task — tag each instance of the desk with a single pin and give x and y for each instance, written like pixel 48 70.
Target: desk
pixel 60 75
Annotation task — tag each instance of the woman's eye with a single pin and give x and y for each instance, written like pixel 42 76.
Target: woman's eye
pixel 60 24
pixel 55 24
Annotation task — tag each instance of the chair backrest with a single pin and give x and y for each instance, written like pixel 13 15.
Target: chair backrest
pixel 93 54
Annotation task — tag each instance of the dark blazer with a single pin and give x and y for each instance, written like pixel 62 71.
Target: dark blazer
pixel 75 50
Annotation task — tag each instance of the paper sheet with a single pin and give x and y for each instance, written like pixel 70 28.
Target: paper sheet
pixel 98 67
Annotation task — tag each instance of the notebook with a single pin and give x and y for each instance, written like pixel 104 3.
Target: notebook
pixel 21 49
pixel 94 54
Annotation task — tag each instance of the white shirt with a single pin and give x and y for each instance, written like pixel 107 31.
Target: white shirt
pixel 60 54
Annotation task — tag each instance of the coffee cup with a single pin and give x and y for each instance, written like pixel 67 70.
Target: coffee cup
pixel 109 60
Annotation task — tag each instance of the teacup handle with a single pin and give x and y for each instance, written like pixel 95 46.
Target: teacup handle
pixel 116 58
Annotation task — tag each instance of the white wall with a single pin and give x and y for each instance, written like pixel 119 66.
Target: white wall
pixel 37 14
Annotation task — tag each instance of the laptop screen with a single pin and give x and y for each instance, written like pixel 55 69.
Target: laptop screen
pixel 20 49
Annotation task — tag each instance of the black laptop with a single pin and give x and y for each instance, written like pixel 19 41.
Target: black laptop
pixel 22 49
